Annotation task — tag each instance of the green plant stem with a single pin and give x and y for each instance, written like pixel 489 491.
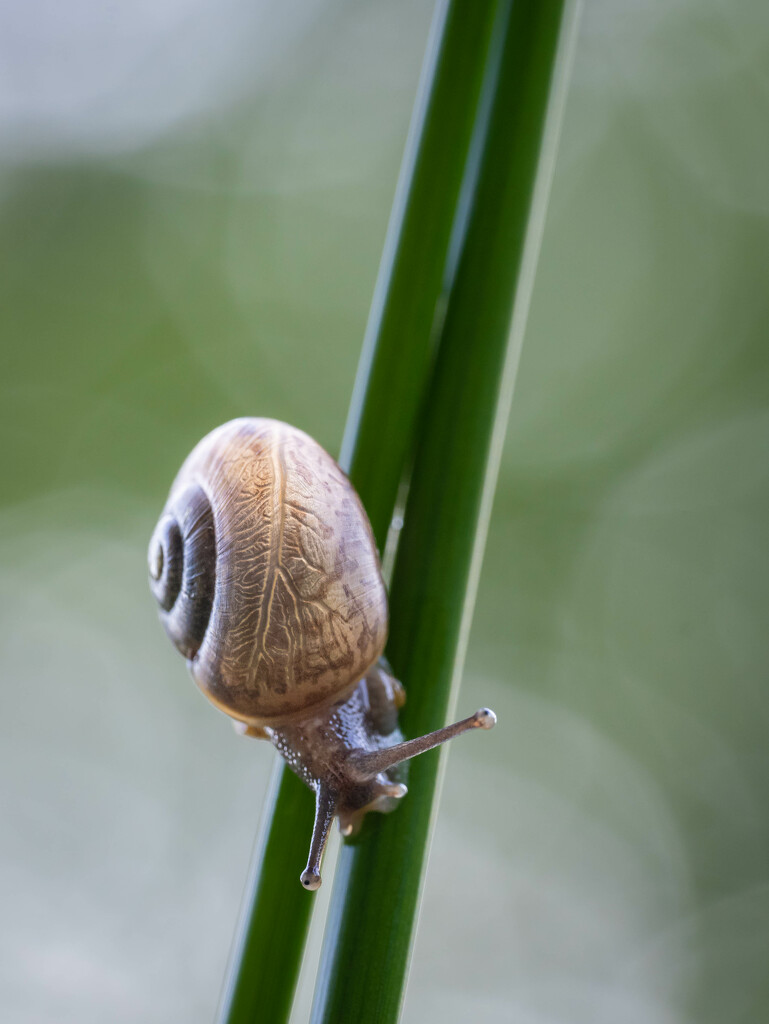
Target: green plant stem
pixel 378 881
pixel 265 961
pixel 396 357
pixel 389 388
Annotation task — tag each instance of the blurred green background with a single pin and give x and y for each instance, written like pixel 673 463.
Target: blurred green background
pixel 193 200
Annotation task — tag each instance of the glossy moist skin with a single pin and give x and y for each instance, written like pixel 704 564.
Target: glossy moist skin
pixel 299 608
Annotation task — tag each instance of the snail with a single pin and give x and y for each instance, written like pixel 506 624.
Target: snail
pixel 267 578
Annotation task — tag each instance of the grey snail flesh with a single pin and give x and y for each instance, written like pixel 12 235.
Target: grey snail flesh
pixel 266 574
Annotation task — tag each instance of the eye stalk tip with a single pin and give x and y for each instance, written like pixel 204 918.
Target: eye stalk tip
pixel 485 718
pixel 310 879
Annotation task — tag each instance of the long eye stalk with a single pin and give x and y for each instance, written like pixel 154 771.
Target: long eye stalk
pixel 380 760
pixel 325 806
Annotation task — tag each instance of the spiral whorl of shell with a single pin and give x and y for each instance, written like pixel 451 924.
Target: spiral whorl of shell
pixel 182 564
pixel 266 573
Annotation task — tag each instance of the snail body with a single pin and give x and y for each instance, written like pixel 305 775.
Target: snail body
pixel 268 581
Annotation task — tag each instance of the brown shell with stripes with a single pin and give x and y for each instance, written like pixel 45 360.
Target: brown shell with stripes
pixel 265 570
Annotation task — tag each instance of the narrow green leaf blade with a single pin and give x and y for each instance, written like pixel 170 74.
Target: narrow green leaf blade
pixel 265 962
pixel 377 887
pixel 396 357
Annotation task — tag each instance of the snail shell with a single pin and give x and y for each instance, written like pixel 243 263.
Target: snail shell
pixel 266 573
